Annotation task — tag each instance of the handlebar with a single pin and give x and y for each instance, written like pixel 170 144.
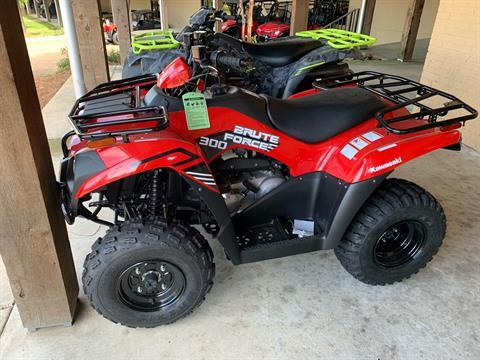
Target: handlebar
pixel 228 61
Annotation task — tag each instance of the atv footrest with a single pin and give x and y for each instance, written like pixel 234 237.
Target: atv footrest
pixel 276 249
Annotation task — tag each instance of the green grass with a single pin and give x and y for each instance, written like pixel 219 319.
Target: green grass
pixel 113 57
pixel 37 28
pixel 63 64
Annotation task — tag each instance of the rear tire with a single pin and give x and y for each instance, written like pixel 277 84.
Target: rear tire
pixel 148 274
pixel 115 38
pixel 395 234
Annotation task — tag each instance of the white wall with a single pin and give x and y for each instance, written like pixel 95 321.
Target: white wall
pixel 178 12
pixel 389 18
pixel 452 64
pixel 134 5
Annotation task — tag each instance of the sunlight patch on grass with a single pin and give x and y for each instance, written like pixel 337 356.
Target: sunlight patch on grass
pixel 37 28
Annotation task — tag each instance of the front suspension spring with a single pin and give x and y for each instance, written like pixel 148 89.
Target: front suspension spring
pixel 155 199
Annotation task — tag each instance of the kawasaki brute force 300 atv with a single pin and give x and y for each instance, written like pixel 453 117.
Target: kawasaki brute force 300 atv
pixel 267 177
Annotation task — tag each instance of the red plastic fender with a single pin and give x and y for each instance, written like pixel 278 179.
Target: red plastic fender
pixel 146 152
pixel 364 153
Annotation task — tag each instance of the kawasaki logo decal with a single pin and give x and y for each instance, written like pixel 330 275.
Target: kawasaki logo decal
pixel 394 162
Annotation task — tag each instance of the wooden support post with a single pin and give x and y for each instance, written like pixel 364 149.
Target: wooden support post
pixel 21 11
pixel 410 29
pixel 33 240
pixel 299 19
pixel 36 5
pixel 251 4
pixel 91 42
pixel 218 24
pixel 27 8
pixel 121 17
pixel 47 13
pixel 242 16
pixel 368 17
pixel 59 13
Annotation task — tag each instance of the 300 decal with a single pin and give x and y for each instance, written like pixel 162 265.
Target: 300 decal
pixel 214 143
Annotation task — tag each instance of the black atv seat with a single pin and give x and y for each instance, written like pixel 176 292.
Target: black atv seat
pixel 320 116
pixel 281 52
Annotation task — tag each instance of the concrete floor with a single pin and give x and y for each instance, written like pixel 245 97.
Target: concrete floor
pixel 56 111
pixel 304 306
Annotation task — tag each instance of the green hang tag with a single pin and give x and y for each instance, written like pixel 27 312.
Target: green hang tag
pixel 196 111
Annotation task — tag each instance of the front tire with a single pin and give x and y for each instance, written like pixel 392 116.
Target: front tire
pixel 148 274
pixel 395 234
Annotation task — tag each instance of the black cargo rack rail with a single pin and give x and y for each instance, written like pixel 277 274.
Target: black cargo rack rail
pixel 124 96
pixel 399 90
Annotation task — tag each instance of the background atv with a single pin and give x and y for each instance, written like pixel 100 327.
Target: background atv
pixel 109 29
pixel 277 22
pixel 232 19
pixel 278 68
pixel 267 177
pixel 145 20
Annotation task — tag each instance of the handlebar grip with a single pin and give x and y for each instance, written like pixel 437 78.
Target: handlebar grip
pixel 231 61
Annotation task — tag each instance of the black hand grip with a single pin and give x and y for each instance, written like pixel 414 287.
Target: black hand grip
pixel 230 61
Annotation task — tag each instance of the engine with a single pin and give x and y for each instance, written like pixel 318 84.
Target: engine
pixel 249 179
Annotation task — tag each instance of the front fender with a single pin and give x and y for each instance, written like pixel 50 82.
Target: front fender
pixel 184 157
pixel 135 157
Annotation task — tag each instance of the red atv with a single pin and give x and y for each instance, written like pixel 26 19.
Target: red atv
pixel 110 29
pixel 267 177
pixel 278 23
pixel 232 24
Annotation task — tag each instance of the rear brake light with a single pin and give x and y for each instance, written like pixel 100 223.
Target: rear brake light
pixel 106 141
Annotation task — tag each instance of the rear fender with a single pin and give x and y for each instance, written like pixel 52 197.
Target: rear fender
pixel 368 154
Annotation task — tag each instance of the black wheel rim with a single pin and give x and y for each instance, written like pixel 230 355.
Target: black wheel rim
pixel 400 244
pixel 151 285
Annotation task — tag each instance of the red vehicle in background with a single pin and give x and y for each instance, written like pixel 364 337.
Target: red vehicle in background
pixel 278 22
pixel 322 12
pixel 232 24
pixel 110 29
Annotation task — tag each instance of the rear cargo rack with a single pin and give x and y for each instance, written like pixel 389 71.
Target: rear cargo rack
pixel 406 93
pixel 115 109
pixel 339 39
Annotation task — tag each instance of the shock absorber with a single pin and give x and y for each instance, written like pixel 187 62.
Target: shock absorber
pixel 155 194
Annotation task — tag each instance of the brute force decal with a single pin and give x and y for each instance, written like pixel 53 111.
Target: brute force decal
pixel 240 136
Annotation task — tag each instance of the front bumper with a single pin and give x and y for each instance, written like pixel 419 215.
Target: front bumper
pixel 68 204
pixel 65 203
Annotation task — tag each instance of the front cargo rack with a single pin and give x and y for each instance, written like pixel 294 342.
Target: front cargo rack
pixel 116 109
pixel 423 102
